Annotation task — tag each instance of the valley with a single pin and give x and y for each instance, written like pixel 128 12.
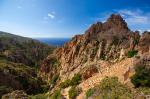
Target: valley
pixel 108 61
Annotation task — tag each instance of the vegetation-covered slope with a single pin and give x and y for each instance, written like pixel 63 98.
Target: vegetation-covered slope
pixel 23 50
pixel 98 64
pixel 17 76
pixel 20 58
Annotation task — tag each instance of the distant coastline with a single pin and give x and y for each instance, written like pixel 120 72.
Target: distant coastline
pixel 54 41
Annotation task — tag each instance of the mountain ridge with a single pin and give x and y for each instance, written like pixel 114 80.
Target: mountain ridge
pixel 108 60
pixel 102 44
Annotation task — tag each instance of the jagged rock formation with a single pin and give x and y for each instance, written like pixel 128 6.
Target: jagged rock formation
pixel 102 46
pixel 144 43
pixel 107 41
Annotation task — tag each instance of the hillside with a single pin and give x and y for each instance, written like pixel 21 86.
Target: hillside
pixel 106 49
pixel 108 61
pixel 23 50
pixel 15 76
pixel 20 59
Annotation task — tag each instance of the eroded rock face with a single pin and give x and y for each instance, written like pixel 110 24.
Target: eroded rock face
pixel 114 26
pixel 144 43
pixel 109 41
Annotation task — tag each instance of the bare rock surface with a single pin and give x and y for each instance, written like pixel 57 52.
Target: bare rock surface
pixel 102 51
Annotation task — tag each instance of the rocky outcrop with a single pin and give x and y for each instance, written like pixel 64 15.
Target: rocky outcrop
pixel 18 94
pixel 102 45
pixel 114 26
pixel 108 41
pixel 144 43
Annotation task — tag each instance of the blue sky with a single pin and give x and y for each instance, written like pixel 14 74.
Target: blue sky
pixel 65 18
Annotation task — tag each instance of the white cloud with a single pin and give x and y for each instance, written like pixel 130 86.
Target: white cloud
pixel 51 15
pixel 135 16
pixel 136 19
pixel 47 18
pixel 148 30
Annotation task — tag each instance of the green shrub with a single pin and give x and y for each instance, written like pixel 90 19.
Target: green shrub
pixel 54 79
pixel 90 92
pixel 111 88
pixel 132 53
pixel 144 90
pixel 56 95
pixel 74 81
pixel 141 77
pixel 85 59
pixel 24 81
pixel 73 92
pixel 65 84
pixel 39 96
pixel 103 57
pixel 95 49
pixel 4 90
pixel 43 88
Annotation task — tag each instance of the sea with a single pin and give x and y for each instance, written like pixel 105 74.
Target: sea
pixel 54 41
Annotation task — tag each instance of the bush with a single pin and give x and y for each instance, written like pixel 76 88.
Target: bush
pixel 56 95
pixel 39 96
pixel 90 92
pixel 43 89
pixel 54 79
pixel 65 84
pixel 144 90
pixel 73 92
pixel 4 90
pixel 132 53
pixel 24 81
pixel 111 88
pixel 141 77
pixel 74 81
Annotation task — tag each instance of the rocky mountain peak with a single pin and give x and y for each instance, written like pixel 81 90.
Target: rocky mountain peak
pixel 94 29
pixel 117 20
pixel 114 26
pixel 102 44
